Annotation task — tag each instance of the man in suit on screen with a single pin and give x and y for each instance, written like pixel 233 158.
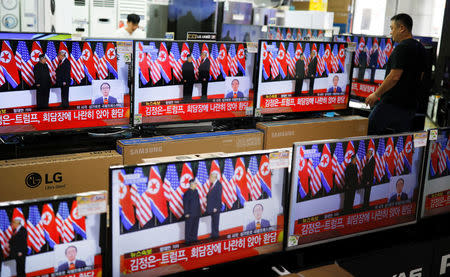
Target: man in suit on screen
pixel 203 71
pixel 312 70
pixel 214 203
pixel 235 93
pixel 399 195
pixel 188 72
pixel 373 62
pixel 335 88
pixel 106 98
pixel 18 246
pixel 63 78
pixel 192 211
pixel 350 185
pixel 43 82
pixel 299 75
pixel 362 63
pixel 72 262
pixel 259 222
pixel 367 177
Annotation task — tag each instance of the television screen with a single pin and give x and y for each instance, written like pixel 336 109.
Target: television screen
pixel 60 236
pixel 240 32
pixel 168 88
pixel 237 13
pixel 342 188
pixel 283 33
pixel 301 76
pixel 436 191
pixel 369 63
pixel 175 216
pixel 88 89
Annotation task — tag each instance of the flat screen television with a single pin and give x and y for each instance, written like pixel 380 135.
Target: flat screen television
pixel 343 188
pixel 284 33
pixel 241 32
pixel 161 225
pixel 60 236
pixel 301 76
pixel 169 89
pixel 97 84
pixel 436 189
pixel 368 64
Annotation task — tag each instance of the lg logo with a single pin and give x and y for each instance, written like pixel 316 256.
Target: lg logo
pixel 33 180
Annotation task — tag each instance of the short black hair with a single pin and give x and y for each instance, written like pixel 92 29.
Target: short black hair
pixel 188 55
pixel 133 18
pixel 72 246
pixel 236 81
pixel 41 56
pixel 262 207
pixel 191 181
pixel 400 179
pixel 403 19
pixel 109 86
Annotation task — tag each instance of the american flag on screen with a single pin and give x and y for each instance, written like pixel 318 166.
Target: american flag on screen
pixel 314 172
pixel 338 165
pixel 201 178
pixel 252 178
pixel 229 195
pixel 5 232
pixel 76 62
pixel 52 60
pixel 143 206
pixel 36 235
pixel 176 195
pixel 175 61
pixel 63 223
pixel 22 62
pixel 99 57
pixel 380 165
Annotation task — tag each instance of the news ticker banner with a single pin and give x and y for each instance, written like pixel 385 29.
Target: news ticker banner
pixel 162 111
pixel 233 248
pixel 90 271
pixel 64 119
pixel 437 202
pixel 363 89
pixel 328 226
pixel 283 103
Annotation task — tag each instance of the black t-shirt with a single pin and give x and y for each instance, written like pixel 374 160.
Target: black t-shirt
pixel 408 55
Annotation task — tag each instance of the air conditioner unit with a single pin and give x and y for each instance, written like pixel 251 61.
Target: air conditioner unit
pixel 103 18
pixel 10 15
pixel 29 14
pixel 80 17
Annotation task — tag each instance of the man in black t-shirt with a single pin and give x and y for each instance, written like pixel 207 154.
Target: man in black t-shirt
pixel 400 88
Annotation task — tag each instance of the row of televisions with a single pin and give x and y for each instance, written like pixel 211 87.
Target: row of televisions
pixel 117 83
pixel 182 214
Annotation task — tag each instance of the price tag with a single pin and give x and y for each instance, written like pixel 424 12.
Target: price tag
pixel 92 204
pixel 420 139
pixel 279 159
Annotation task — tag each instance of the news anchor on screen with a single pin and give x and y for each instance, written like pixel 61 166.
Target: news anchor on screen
pixel 192 212
pixel 235 93
pixel 63 78
pixel 399 195
pixel 18 246
pixel 187 70
pixel 43 82
pixel 312 70
pixel 106 99
pixel 214 203
pixel 203 69
pixel 259 222
pixel 72 262
pixel 335 88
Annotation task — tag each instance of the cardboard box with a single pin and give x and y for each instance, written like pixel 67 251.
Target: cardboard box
pixel 42 177
pixel 281 134
pixel 332 270
pixel 135 150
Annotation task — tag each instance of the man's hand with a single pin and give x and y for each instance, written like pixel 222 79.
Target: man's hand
pixel 64 83
pixel 371 99
pixel 214 210
pixel 38 85
pixel 187 216
pixel 19 254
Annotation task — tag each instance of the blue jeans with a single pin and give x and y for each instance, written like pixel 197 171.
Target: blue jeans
pixel 387 119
